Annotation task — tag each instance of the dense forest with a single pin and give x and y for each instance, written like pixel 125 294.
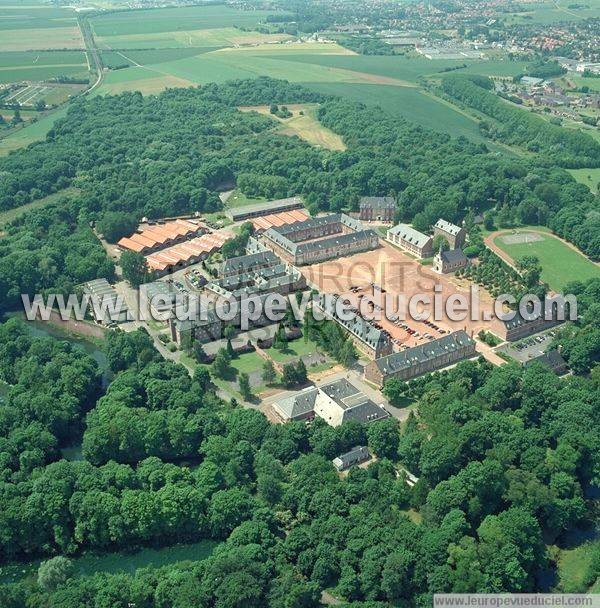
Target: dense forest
pixel 133 156
pixel 505 457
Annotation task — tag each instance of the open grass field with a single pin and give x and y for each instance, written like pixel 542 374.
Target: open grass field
pixel 560 263
pixel 304 124
pixel 213 38
pixel 27 135
pixel 572 566
pixel 13 214
pixel 588 177
pixel 409 103
pixel 152 21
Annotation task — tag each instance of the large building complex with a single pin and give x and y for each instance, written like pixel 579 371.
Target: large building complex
pixel 455 235
pixel 336 402
pixel 518 327
pixel 372 341
pixel 421 359
pixel 377 208
pixel 260 224
pixel 411 240
pixel 186 253
pixel 320 238
pixel 247 212
pixel 159 236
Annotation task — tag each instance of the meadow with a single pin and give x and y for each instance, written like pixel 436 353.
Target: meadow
pixel 27 135
pixel 560 262
pixel 589 177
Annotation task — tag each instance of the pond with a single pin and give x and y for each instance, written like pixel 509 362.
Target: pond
pixel 118 561
pixel 43 330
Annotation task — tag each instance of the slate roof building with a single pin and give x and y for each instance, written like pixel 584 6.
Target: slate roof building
pixel 411 240
pixel 248 212
pixel 377 208
pixel 518 327
pixel 338 235
pixel 455 235
pixel 445 262
pixel 336 402
pixel 248 263
pixel 421 359
pixel 355 456
pixel 103 299
pixel 552 359
pixel 369 339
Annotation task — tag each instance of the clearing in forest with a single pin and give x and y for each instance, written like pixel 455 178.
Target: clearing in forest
pixel 304 124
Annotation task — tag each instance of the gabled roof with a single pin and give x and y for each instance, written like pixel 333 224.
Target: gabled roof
pixel 409 234
pixel 244 263
pixel 552 358
pixel 423 352
pixel 377 202
pixel 448 227
pixel 453 256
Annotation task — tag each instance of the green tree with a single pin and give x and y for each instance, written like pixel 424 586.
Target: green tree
pixel 269 375
pixel 135 268
pixel 244 384
pixel 54 572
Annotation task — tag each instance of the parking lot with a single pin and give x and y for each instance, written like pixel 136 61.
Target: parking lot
pixel 530 347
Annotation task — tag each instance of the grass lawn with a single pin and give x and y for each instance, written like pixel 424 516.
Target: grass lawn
pixel 560 263
pixel 238 199
pixel 33 132
pixel 13 214
pixel 588 177
pixel 248 362
pixel 296 348
pixel 572 567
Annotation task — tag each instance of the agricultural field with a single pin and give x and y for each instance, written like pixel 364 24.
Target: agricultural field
pixel 199 26
pixel 16 66
pixel 554 12
pixel 560 262
pixel 36 26
pixel 588 177
pixel 304 124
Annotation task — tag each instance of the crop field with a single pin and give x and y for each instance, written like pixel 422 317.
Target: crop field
pixel 588 177
pixel 304 124
pixel 409 103
pixel 546 12
pixel 152 21
pixel 36 26
pixel 210 38
pixel 560 262
pixel 37 66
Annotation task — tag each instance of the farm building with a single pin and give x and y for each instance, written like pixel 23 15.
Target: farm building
pixel 306 243
pixel 369 339
pixel 247 212
pixel 355 456
pixel 336 402
pixel 421 359
pixel 455 235
pixel 411 240
pixel 377 208
pixel 159 236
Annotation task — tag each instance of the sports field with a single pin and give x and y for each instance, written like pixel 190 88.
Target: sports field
pixel 560 262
